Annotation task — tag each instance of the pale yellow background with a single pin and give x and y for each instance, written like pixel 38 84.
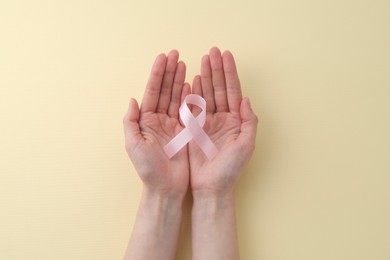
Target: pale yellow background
pixel 317 72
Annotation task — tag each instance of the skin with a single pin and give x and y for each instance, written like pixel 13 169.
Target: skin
pixel 231 125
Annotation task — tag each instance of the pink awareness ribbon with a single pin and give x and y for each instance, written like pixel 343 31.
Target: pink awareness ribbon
pixel 193 129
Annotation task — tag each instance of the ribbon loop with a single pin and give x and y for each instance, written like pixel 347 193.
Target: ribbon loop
pixel 193 129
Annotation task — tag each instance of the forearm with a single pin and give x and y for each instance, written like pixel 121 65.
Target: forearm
pixel 156 230
pixel 214 232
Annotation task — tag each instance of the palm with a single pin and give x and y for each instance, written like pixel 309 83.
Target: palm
pixel 223 129
pixel 157 130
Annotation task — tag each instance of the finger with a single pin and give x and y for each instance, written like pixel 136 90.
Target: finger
pixel 186 90
pixel 218 77
pixel 153 87
pixel 196 89
pixel 178 82
pixel 233 87
pixel 131 124
pixel 207 84
pixel 166 87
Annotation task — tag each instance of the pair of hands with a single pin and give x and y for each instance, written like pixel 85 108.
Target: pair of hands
pixel 230 123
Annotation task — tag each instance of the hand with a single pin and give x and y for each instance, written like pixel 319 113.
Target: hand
pixel 230 123
pixel 149 129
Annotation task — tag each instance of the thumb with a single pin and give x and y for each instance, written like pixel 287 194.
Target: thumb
pixel 249 123
pixel 131 123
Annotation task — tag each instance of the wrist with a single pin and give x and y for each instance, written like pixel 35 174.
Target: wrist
pixel 160 208
pixel 162 198
pixel 212 194
pixel 213 199
pixel 211 208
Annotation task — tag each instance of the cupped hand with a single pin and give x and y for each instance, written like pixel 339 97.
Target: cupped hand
pixel 230 123
pixel 149 128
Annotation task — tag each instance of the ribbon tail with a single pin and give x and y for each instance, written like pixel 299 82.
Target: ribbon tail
pixel 207 146
pixel 177 143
